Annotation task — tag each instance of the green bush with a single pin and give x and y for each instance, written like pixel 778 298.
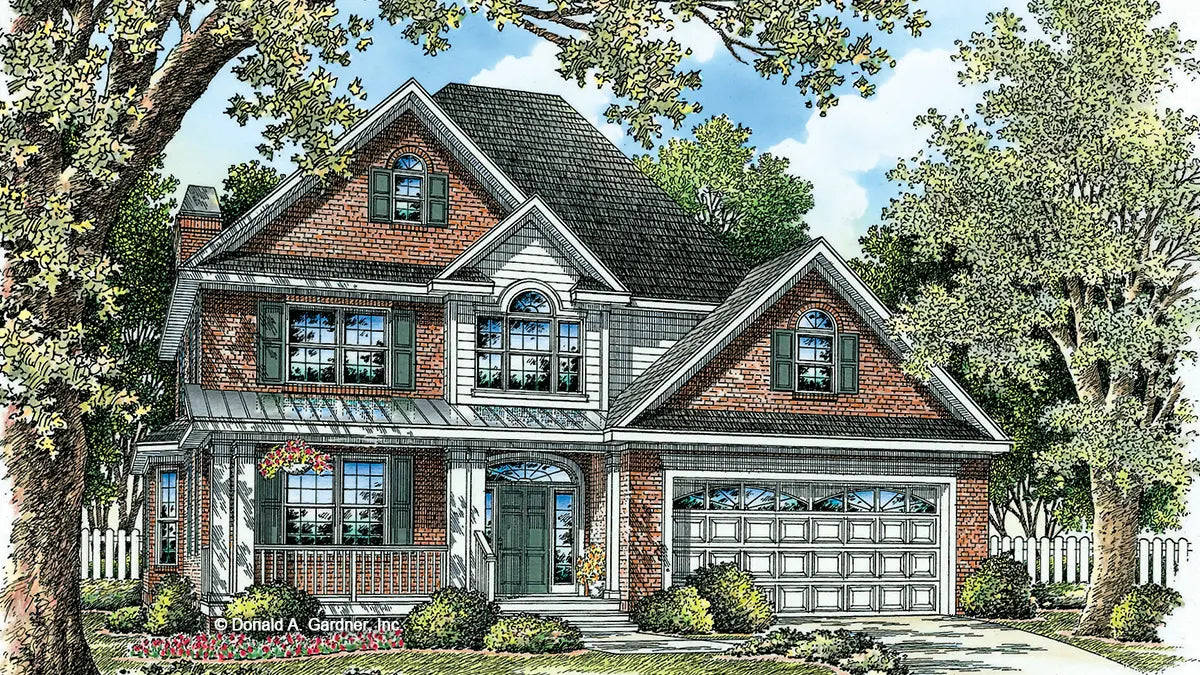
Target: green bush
pixel 109 594
pixel 173 607
pixel 737 605
pixel 126 620
pixel 678 609
pixel 453 619
pixel 278 600
pixel 1060 595
pixel 854 653
pixel 532 634
pixel 1139 614
pixel 999 589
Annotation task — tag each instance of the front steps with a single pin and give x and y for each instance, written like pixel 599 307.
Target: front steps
pixel 593 618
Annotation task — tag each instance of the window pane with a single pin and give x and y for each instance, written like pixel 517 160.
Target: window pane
pixel 759 499
pixel 529 373
pixel 814 378
pixel 791 503
pixel 407 211
pixel 365 330
pixel 529 336
pixel 312 327
pixel 308 526
pixel 408 187
pixel 530 301
pixel 410 163
pixel 489 333
pixel 168 543
pixel 168 495
pixel 310 365
pixel 564 537
pixel 815 318
pixel 364 367
pixel 362 483
pixel 721 498
pixel 568 374
pixel 815 349
pixel 487 514
pixel 922 500
pixel 488 371
pixel 860 500
pixel 891 501
pixel 362 527
pixel 692 501
pixel 568 337
pixel 832 501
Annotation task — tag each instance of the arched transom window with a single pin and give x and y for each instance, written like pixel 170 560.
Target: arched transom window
pixel 528 349
pixel 531 472
pixel 815 335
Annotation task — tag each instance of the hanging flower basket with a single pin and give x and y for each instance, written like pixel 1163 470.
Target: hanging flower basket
pixel 294 457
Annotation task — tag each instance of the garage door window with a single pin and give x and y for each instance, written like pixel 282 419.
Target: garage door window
pixel 737 496
pixel 723 496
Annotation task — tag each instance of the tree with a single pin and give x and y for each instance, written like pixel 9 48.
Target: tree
pixel 141 248
pixel 753 205
pixel 1071 200
pixel 97 89
pixel 246 184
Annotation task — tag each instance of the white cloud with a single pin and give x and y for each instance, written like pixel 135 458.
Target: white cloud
pixel 536 72
pixel 861 135
pixel 697 37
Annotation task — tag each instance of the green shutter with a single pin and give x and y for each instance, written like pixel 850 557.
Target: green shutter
pixel 439 199
pixel 404 349
pixel 268 509
pixel 270 342
pixel 783 360
pixel 380 205
pixel 400 506
pixel 848 363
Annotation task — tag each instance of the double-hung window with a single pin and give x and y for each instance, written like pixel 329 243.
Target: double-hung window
pixel 814 352
pixel 347 506
pixel 168 517
pixel 528 349
pixel 814 357
pixel 337 346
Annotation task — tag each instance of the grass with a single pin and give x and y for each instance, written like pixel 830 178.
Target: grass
pixel 1142 657
pixel 110 653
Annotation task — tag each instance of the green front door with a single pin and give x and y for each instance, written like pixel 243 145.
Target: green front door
pixel 523 539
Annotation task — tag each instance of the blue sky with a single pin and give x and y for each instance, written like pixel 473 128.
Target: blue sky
pixel 845 154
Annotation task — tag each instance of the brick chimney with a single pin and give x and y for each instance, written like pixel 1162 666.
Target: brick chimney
pixel 198 220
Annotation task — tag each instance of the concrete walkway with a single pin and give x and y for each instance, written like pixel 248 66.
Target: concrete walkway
pixel 945 645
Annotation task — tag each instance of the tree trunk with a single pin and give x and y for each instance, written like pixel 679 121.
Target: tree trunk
pixel 41 603
pixel 1114 551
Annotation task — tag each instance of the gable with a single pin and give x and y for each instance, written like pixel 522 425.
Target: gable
pixel 333 221
pixel 529 253
pixel 738 378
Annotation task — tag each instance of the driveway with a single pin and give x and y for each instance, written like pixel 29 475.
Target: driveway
pixel 938 645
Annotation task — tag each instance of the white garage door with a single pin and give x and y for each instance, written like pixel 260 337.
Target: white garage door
pixel 816 547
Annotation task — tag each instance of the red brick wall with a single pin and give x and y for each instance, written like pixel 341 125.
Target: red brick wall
pixel 332 222
pixel 429 499
pixel 229 339
pixel 739 378
pixel 641 526
pixel 971 520
pixel 193 233
pixel 592 494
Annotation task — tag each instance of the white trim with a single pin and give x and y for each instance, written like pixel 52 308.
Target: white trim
pixel 505 228
pixel 600 297
pixel 947 515
pixel 410 95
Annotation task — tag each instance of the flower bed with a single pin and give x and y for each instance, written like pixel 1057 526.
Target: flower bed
pixel 239 647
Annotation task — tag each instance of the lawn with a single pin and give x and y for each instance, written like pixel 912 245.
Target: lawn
pixel 1142 657
pixel 110 652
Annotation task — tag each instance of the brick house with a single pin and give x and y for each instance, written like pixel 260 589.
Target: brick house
pixel 513 345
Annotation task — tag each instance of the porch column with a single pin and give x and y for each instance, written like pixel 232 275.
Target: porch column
pixel 464 503
pixel 612 514
pixel 242 528
pixel 217 581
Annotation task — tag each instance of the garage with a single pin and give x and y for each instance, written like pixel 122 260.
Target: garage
pixel 818 547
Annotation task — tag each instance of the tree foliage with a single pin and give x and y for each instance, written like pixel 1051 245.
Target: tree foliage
pixel 246 184
pixel 1071 199
pixel 753 204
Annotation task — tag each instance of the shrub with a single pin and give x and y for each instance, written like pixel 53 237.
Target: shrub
pixel 999 589
pixel 126 620
pixel 854 653
pixel 240 647
pixel 109 594
pixel 278 600
pixel 1060 595
pixel 1139 614
pixel 453 619
pixel 532 634
pixel 737 605
pixel 173 607
pixel 678 609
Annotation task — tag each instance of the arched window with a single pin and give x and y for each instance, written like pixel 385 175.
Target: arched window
pixel 408 180
pixel 815 337
pixel 528 349
pixel 530 472
pixel 408 192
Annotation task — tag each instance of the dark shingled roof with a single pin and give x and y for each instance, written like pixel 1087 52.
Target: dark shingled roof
pixel 792 424
pixel 547 148
pixel 328 268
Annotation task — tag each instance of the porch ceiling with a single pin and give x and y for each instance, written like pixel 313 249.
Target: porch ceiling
pixel 242 406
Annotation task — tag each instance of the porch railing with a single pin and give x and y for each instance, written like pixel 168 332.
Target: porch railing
pixel 485 566
pixel 353 571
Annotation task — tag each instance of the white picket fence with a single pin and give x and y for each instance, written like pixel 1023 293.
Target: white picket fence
pixel 110 554
pixel 1069 558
